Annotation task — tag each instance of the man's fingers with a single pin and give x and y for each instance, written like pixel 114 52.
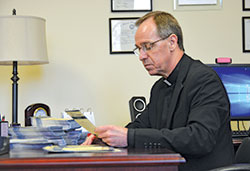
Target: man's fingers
pixel 89 139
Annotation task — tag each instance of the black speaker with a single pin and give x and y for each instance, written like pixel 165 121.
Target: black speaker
pixel 137 105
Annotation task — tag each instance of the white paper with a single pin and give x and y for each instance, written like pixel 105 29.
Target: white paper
pixel 123 4
pixel 197 2
pixel 131 4
pixel 123 32
pixel 89 115
pixel 247 3
pixel 142 5
pixel 247 34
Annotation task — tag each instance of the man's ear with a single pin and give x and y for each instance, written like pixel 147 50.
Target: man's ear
pixel 173 39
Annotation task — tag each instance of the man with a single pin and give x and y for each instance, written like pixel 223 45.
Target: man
pixel 189 110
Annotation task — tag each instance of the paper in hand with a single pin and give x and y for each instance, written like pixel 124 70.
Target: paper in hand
pixel 82 120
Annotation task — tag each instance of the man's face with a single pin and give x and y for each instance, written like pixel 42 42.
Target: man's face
pixel 156 60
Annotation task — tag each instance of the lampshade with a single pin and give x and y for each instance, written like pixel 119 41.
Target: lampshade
pixel 22 39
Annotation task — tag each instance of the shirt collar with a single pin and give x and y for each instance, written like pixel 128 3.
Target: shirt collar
pixel 167 82
pixel 174 74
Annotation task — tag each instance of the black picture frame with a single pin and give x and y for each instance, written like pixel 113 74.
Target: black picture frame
pixel 127 6
pixel 121 35
pixel 246 5
pixel 246 34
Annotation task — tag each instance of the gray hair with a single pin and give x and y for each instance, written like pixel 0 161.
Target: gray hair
pixel 166 24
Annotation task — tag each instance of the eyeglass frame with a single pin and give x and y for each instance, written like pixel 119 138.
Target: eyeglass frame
pixel 151 45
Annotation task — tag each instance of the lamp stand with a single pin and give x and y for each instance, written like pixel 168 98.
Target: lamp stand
pixel 14 78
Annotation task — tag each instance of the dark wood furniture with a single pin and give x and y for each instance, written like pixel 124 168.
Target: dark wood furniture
pixel 148 159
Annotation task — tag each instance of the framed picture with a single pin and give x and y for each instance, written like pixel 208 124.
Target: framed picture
pixel 131 5
pixel 197 4
pixel 121 35
pixel 246 5
pixel 246 34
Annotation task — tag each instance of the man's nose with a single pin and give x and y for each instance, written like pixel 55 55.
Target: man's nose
pixel 143 55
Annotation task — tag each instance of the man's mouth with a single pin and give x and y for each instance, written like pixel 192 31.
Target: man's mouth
pixel 147 66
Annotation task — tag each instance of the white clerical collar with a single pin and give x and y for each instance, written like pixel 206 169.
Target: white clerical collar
pixel 167 82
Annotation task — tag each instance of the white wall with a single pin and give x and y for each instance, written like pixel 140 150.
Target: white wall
pixel 82 73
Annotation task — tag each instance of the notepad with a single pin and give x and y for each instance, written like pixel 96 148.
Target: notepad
pixel 79 149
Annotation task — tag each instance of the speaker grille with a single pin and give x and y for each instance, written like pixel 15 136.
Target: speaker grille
pixel 137 105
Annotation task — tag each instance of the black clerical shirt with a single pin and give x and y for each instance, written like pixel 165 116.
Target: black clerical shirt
pixel 165 95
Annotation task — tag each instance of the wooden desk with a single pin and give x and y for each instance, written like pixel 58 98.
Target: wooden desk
pixel 151 159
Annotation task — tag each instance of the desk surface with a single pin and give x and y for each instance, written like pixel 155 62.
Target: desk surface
pixel 129 159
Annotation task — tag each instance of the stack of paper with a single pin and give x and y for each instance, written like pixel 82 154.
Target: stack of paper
pixel 67 124
pixel 36 132
pixel 46 131
pixel 33 137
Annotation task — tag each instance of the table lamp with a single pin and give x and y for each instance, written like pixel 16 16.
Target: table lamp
pixel 22 42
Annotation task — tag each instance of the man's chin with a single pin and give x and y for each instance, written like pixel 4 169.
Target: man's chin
pixel 151 72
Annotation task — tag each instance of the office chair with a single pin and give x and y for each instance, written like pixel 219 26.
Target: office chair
pixel 243 153
pixel 234 167
pixel 242 158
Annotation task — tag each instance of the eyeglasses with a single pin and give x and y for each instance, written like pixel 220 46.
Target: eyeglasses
pixel 147 46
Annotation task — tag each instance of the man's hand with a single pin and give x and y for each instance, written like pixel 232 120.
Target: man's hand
pixel 112 135
pixel 89 139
